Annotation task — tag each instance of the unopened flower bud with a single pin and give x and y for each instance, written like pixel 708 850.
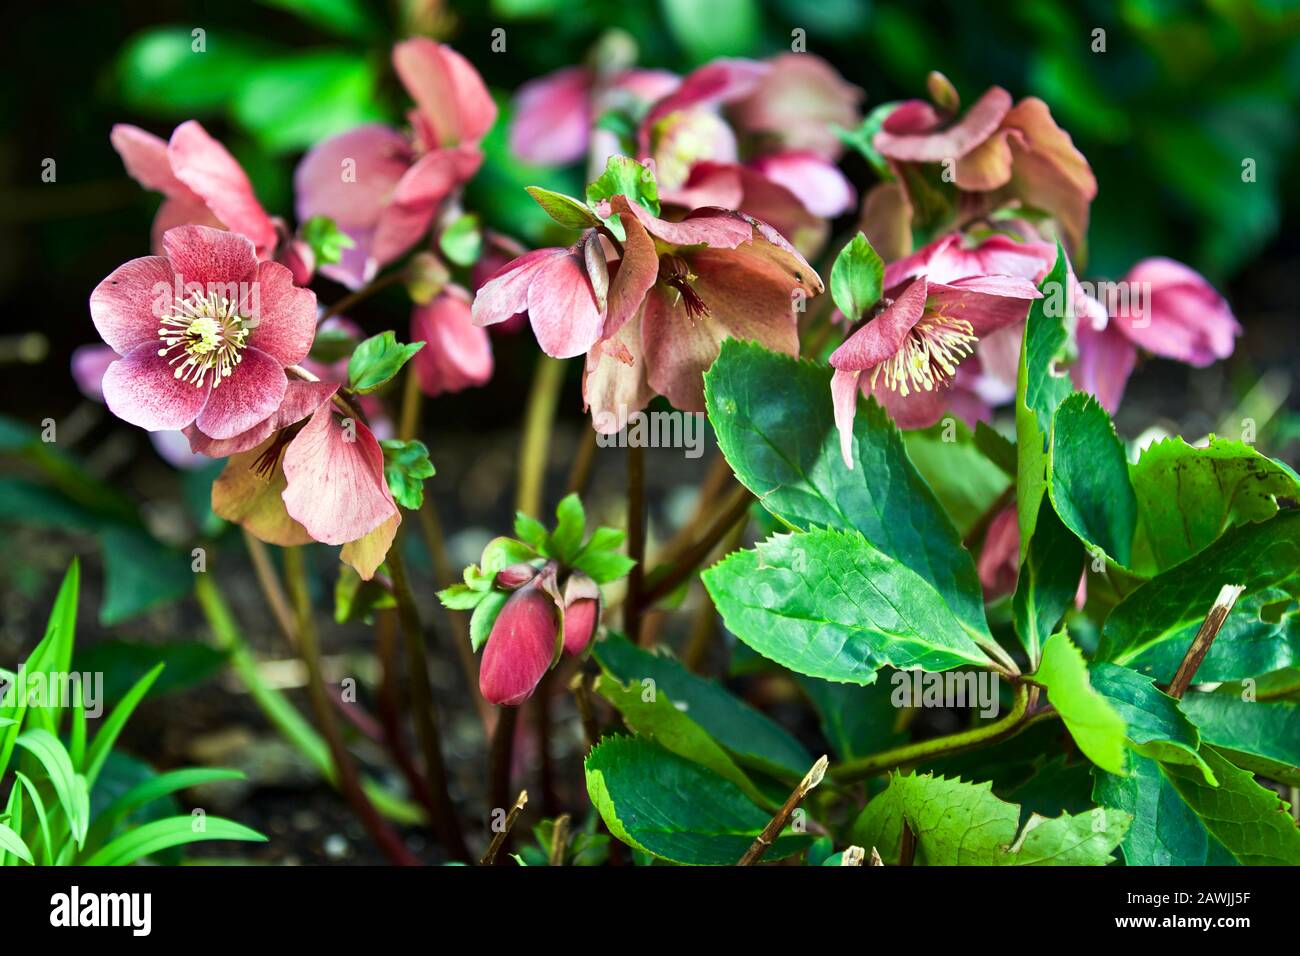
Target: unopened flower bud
pixel 581 613
pixel 521 647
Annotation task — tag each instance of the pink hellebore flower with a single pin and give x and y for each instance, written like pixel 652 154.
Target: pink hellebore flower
pixel 913 347
pixel 457 353
pixel 537 622
pixel 679 289
pixel 383 188
pixel 1171 312
pixel 205 334
pixel 201 182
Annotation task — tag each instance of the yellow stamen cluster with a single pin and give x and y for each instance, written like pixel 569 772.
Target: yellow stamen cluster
pixel 929 356
pixel 203 334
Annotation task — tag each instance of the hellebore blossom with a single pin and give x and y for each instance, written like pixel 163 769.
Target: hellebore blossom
pixel 1171 311
pixel 383 188
pixel 205 333
pixel 913 347
pixel 458 354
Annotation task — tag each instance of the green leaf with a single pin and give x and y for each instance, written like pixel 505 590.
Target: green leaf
pixel 857 278
pixel 665 805
pixel 964 824
pixel 966 483
pixel 1089 484
pixel 350 19
pixel 377 360
pixel 140 574
pixel 1094 724
pixel 56 647
pixel 1152 628
pixel 162 71
pixel 1048 581
pixel 160 835
pixel 1180 820
pixel 1260 736
pixel 714 29
pixel 1188 496
pixel 862 139
pixel 1040 388
pixel 406 466
pixel 42 818
pixel 1155 727
pixel 652 715
pixel 70 787
pixel 828 604
pixel 356 600
pixel 462 241
pixel 624 176
pixel 996 448
pixel 753 738
pixel 11 842
pixel 115 722
pixel 328 243
pixel 571 525
pixel 856 720
pixel 154 788
pixel 530 531
pixel 484 616
pixel 775 425
pixel 565 210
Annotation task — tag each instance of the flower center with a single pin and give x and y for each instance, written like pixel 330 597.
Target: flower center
pixel 202 335
pixel 929 356
pixel 674 272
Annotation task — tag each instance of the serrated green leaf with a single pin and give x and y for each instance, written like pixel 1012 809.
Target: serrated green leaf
pixel 828 604
pixel 1155 727
pixel 1090 718
pixel 857 278
pixel 754 739
pixel 376 360
pixel 1088 478
pixel 571 525
pixel 1260 736
pixel 1188 496
pixel 406 466
pixel 665 805
pixel 484 616
pixel 624 176
pixel 530 531
pixel 1180 820
pixel 1152 628
pixel 1048 581
pixel 964 824
pixel 966 483
pixel 774 422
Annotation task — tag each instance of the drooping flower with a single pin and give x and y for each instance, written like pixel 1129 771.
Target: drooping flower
pixel 678 290
pixel 457 354
pixel 381 187
pixel 524 641
pixel 1169 310
pixel 907 356
pixel 204 332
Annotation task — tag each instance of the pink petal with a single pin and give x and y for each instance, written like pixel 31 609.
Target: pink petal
pixel 285 314
pixel 145 157
pixel 707 227
pixel 209 257
pixel 721 81
pixel 207 168
pixel 89 363
pixel 368 552
pixel 520 648
pixel 986 167
pixel 300 400
pixel 912 118
pixel 505 294
pixel 448 91
pixel 1187 321
pixel 252 392
pixel 815 182
pixel 999 560
pixel 1106 360
pixel 986 302
pixel 886 220
pixel 1048 171
pixel 800 102
pixel 635 274
pixel 844 399
pixel 614 384
pixel 415 200
pixel 185 210
pixel 457 354
pixel 882 336
pixel 141 388
pixel 552 117
pixel 581 613
pixel 128 305
pixel 562 307
pixel 336 487
pixel 242 495
pixel 951 142
pixel 916 409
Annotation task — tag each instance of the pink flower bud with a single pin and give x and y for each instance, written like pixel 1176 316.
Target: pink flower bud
pixel 515 576
pixel 581 613
pixel 522 645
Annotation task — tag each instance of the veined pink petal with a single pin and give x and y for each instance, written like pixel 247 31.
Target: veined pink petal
pixel 336 487
pixel 800 102
pixel 562 306
pixel 447 90
pixel 210 257
pixel 1106 360
pixel 1187 320
pixel 1048 171
pixel 505 294
pixel 781 210
pixel 251 393
pixel 614 385
pixel 285 314
pixel 552 117
pixel 520 648
pixel 145 157
pixel 719 228
pixel 128 305
pixel 185 210
pixel 999 560
pixel 635 275
pixel 242 495
pixel 986 302
pixel 815 181
pixel 844 399
pixel 351 177
pixel 950 142
pixel 142 389
pixel 722 81
pixel 884 335
pixel 208 169
pixel 457 353
pixel 415 200
pixel 300 400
